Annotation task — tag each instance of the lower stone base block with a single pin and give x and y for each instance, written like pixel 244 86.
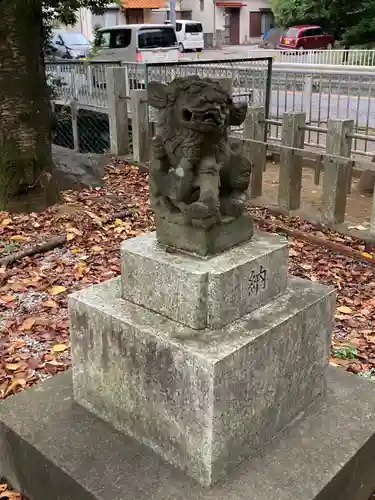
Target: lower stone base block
pixel 53 449
pixel 204 400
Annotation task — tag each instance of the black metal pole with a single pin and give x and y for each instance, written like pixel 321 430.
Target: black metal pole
pixel 267 104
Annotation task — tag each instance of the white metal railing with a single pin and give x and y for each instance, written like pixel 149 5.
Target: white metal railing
pixel 86 83
pixel 78 81
pixel 351 57
pixel 322 91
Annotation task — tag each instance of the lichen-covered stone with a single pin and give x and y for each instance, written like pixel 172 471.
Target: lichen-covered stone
pixel 203 400
pixel 197 175
pixel 201 241
pixel 204 293
pixel 49 443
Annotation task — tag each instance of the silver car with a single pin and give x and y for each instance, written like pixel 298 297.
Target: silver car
pixel 69 45
pixel 143 43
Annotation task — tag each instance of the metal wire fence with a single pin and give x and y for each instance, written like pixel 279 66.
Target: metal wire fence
pixel 63 134
pixel 82 130
pixel 87 82
pixel 93 132
pixel 336 92
pixel 80 92
pixel 251 78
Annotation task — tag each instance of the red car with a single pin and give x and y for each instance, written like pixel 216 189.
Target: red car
pixel 306 37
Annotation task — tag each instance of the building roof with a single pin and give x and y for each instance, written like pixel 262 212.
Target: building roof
pixel 143 4
pixel 135 26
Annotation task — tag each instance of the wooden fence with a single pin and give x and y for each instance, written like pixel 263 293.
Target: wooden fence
pixel 335 163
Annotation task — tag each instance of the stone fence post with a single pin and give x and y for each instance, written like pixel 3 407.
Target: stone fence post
pixel 290 176
pixel 308 85
pixel 74 115
pixel 140 125
pixel 372 223
pixel 254 128
pixel 336 172
pixel 117 111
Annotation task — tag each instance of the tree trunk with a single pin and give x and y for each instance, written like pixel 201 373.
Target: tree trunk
pixel 25 109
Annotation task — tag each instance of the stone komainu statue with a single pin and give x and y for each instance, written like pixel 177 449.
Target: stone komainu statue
pixel 197 174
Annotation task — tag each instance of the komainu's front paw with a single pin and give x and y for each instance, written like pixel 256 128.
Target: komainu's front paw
pixel 203 214
pixel 158 150
pixel 232 207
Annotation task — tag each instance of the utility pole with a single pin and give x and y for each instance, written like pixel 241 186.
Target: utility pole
pixel 172 12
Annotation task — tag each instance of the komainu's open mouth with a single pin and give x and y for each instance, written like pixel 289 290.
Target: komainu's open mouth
pixel 187 115
pixel 209 117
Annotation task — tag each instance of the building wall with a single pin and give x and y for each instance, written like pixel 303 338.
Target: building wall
pixel 86 20
pixel 205 16
pixel 211 17
pixel 254 6
pixel 214 18
pixel 111 17
pixel 83 24
pixel 147 16
pixel 156 16
pixel 183 11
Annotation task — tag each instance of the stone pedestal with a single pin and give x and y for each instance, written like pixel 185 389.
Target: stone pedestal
pixel 202 398
pixel 201 241
pixel 52 448
pixel 202 293
pixel 202 360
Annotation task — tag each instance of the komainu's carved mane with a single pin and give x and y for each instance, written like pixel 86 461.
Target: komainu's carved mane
pixel 196 176
pixel 179 140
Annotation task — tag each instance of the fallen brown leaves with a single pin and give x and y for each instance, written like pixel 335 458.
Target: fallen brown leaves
pixel 354 281
pixel 6 493
pixel 34 339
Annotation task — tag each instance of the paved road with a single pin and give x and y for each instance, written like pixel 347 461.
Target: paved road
pixel 337 104
pixel 227 52
pixel 324 106
pixel 362 111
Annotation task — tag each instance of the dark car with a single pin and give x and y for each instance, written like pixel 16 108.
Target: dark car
pixel 69 45
pixel 306 37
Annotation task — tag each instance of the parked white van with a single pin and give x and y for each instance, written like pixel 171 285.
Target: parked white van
pixel 144 43
pixel 189 35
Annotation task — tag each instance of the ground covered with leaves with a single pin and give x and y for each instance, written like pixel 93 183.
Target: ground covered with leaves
pixel 34 341
pixel 353 345
pixel 34 338
pixel 6 493
pixel 358 208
